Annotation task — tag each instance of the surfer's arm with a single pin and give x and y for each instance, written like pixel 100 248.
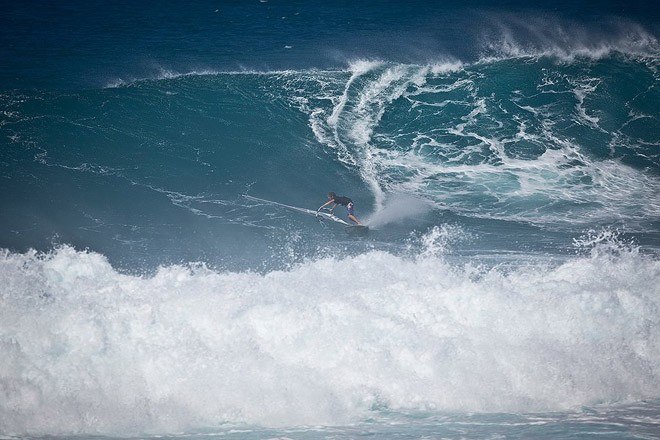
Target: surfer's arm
pixel 326 204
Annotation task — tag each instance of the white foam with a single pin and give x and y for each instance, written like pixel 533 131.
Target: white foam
pixel 357 69
pixel 358 111
pixel 86 349
pixel 582 91
pixel 444 67
pixel 161 73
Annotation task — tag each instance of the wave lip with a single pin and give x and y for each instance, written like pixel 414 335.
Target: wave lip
pixel 90 350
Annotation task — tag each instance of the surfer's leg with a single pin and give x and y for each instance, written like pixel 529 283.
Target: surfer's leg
pixel 349 209
pixel 352 217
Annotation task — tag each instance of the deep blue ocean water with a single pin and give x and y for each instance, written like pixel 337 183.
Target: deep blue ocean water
pixel 506 157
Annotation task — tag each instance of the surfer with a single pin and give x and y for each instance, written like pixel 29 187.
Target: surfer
pixel 341 200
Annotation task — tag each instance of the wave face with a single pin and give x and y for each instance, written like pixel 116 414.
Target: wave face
pixel 507 164
pixel 154 171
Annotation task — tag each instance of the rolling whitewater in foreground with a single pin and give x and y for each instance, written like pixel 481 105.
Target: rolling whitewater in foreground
pixel 163 275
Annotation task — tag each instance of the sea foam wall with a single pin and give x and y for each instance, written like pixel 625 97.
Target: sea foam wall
pixel 86 349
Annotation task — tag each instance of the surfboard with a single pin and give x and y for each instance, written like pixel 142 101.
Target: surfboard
pixel 318 214
pixel 358 230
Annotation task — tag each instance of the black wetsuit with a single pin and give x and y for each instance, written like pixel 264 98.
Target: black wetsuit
pixel 341 200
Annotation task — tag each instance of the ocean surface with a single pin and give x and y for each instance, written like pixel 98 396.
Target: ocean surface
pixel 505 156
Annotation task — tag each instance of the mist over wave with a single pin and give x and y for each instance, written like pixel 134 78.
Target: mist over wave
pixel 399 208
pixel 89 350
pixel 515 35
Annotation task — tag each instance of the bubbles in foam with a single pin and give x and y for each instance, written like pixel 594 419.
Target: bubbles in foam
pixel 89 350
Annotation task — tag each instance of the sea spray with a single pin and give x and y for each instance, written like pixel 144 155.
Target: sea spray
pixel 399 208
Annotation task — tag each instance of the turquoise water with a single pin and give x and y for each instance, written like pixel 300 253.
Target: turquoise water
pixel 505 159
pixel 154 171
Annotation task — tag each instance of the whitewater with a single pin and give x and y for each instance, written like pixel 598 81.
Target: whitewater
pixel 88 349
